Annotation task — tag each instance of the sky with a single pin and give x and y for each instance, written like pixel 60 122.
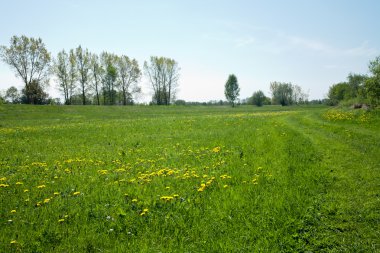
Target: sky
pixel 310 43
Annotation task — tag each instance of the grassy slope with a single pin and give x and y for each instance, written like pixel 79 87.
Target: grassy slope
pixel 316 179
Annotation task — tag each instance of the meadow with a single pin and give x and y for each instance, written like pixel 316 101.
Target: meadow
pixel 189 179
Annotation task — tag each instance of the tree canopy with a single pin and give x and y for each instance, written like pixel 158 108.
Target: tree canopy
pixel 231 89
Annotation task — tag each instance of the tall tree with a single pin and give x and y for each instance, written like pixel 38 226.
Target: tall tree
pixel 129 75
pixel 163 75
pixel 109 78
pixel 61 69
pixel 73 74
pixel 83 65
pixel 97 72
pixel 30 60
pixel 231 89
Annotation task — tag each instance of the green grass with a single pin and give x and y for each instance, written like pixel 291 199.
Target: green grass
pixel 189 179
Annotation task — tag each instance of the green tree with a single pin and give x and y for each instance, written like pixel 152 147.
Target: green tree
pixel 83 61
pixel 97 72
pixel 34 94
pixel 109 78
pixel 163 75
pixel 30 60
pixel 282 93
pixel 372 84
pixel 231 89
pixel 258 98
pixel 129 75
pixel 13 95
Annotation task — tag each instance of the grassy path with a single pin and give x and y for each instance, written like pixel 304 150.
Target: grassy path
pixel 349 215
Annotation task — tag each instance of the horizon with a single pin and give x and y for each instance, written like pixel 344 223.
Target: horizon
pixel 313 45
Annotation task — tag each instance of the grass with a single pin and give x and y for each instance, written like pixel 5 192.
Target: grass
pixel 189 179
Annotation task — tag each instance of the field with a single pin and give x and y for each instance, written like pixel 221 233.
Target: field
pixel 189 179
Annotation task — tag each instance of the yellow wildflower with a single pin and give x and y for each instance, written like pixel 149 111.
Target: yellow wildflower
pixel 3 179
pixel 134 200
pixel 56 193
pixel 61 220
pixel 19 183
pixel 26 190
pixel 13 242
pixel 13 211
pixel 46 201
pixel 216 149
pixel 4 185
pixel 76 193
pixel 41 186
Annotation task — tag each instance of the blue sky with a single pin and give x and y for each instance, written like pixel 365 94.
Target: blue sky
pixel 311 43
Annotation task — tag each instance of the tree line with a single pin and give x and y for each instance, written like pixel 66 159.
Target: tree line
pixel 84 77
pixel 359 90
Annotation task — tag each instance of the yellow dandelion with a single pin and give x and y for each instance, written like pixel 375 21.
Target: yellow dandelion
pixel 13 211
pixel 3 179
pixel 26 190
pixel 225 186
pixel 46 201
pixel 38 204
pixel 76 193
pixel 13 242
pixel 4 185
pixel 56 193
pixel 61 220
pixel 19 183
pixel 134 200
pixel 41 186
pixel 216 149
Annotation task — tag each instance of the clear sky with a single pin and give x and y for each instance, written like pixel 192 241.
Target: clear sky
pixel 311 43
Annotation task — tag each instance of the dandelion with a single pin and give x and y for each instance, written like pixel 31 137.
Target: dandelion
pixel 56 193
pixel 76 193
pixel 61 220
pixel 202 188
pixel 216 150
pixel 13 242
pixel 167 198
pixel 134 200
pixel 26 190
pixel 167 187
pixel 4 185
pixel 46 201
pixel 225 186
pixel 41 186
pixel 38 204
pixel 3 179
pixel 144 212
pixel 13 211
pixel 19 183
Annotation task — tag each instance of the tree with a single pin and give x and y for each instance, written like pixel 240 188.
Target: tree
pixel 372 84
pixel 163 75
pixel 30 60
pixel 129 75
pixel 34 94
pixel 258 98
pixel 83 67
pixel 109 78
pixel 97 72
pixel 231 89
pixel 282 93
pixel 61 70
pixel 13 95
pixel 338 92
pixel 299 96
